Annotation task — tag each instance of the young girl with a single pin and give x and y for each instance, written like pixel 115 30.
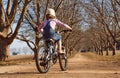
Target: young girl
pixel 48 28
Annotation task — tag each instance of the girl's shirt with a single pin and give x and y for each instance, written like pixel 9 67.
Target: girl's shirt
pixel 53 23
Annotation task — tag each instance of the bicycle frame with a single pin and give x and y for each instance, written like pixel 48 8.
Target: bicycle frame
pixel 51 47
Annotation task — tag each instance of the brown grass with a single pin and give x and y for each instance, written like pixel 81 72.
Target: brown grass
pixel 14 60
pixel 94 56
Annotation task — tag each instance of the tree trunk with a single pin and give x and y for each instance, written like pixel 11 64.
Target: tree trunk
pixel 107 52
pixel 101 52
pixel 6 20
pixel 4 50
pixel 4 44
pixel 114 49
pixel 113 52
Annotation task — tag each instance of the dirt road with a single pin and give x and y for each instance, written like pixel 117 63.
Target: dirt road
pixel 79 67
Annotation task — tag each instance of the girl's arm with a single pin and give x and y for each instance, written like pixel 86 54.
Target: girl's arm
pixel 59 23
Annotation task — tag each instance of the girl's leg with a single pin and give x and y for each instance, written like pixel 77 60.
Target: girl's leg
pixel 59 46
pixel 57 37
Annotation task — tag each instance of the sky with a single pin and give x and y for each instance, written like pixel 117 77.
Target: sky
pixel 17 44
pixel 20 47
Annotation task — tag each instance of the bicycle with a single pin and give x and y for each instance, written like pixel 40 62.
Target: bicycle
pixel 48 53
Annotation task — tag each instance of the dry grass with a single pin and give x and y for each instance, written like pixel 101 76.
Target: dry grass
pixel 94 56
pixel 14 60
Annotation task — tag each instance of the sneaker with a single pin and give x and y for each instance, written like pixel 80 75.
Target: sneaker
pixel 61 53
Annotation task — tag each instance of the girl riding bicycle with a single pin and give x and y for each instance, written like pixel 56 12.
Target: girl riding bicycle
pixel 48 28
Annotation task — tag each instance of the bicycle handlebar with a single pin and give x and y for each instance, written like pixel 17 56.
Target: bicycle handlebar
pixel 65 31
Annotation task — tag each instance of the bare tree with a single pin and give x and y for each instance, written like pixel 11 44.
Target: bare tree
pixel 7 18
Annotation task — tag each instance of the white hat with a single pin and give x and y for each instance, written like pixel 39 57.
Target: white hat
pixel 51 11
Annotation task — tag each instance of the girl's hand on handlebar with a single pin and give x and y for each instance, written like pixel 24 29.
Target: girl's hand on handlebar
pixel 65 31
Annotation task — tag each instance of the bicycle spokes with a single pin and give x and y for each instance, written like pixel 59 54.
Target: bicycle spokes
pixel 42 62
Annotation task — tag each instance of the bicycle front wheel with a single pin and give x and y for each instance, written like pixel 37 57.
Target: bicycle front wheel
pixel 42 63
pixel 63 60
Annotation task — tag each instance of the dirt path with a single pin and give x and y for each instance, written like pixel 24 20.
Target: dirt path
pixel 79 67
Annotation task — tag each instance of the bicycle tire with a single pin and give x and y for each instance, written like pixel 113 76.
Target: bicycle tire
pixel 63 61
pixel 46 64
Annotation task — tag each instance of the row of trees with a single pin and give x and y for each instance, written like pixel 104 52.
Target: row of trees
pixel 103 19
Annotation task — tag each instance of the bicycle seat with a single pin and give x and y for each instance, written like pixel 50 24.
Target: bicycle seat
pixel 50 40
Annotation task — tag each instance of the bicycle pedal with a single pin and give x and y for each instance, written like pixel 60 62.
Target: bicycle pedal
pixel 42 63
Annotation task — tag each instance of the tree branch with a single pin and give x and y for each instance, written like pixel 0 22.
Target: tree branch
pixel 56 8
pixel 8 7
pixel 46 9
pixel 27 41
pixel 13 10
pixel 38 14
pixel 20 20
pixel 1 12
pixel 118 2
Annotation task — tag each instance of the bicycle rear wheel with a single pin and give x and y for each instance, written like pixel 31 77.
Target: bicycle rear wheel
pixel 42 63
pixel 63 60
